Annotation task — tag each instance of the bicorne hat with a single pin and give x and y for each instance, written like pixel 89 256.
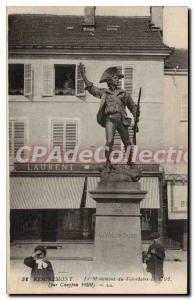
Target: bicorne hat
pixel 110 72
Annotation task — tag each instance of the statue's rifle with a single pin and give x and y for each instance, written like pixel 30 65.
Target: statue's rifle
pixel 135 127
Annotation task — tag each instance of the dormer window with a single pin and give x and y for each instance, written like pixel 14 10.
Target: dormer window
pixel 112 27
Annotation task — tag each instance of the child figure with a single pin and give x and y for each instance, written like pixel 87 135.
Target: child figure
pixel 41 268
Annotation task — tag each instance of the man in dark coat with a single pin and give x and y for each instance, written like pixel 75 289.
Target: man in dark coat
pixel 112 114
pixel 155 258
pixel 41 268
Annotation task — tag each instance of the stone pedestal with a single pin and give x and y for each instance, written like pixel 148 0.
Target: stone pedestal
pixel 118 247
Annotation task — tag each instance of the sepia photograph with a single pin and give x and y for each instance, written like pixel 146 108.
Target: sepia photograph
pixel 97 118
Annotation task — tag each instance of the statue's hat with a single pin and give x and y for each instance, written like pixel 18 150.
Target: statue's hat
pixel 154 235
pixel 110 72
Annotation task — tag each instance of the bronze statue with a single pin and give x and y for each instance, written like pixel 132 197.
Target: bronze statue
pixel 112 112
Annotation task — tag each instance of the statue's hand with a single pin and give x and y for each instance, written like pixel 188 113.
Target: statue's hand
pixel 82 69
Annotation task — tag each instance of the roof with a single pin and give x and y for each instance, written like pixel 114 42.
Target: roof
pixel 65 32
pixel 177 60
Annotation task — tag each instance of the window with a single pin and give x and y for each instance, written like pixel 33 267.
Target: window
pixel 25 225
pixel 184 107
pixel 17 137
pixel 64 133
pixel 183 203
pixel 127 82
pixel 112 27
pixel 62 80
pixel 20 79
pixel 65 80
pixel 16 79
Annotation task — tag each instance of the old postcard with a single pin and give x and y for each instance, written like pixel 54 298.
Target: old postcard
pixel 98 142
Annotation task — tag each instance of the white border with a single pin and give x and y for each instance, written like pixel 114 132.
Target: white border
pixel 3 105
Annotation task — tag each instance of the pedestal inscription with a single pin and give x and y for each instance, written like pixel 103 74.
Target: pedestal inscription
pixel 117 233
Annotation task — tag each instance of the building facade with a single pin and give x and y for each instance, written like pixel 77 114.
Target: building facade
pixel 176 136
pixel 49 108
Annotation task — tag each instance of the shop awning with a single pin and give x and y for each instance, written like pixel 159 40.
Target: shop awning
pixel 91 185
pixel 46 192
pixel 149 184
pixel 152 198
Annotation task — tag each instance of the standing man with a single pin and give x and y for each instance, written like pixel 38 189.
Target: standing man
pixel 112 112
pixel 155 258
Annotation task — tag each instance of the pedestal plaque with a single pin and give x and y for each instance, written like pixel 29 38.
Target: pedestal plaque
pixel 117 233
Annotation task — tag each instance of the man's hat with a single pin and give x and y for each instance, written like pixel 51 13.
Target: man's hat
pixel 154 235
pixel 41 248
pixel 110 72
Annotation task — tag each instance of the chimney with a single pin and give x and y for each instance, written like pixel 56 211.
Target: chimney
pixel 156 13
pixel 89 18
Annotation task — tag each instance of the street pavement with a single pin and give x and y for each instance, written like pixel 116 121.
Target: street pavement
pixel 74 263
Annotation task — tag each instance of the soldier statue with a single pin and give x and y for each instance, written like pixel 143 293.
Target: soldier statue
pixel 112 112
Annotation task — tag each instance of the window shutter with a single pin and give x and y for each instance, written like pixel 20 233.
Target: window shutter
pixel 27 80
pixel 64 133
pixel 128 79
pixel 57 134
pixel 17 137
pixel 80 91
pixel 184 107
pixel 71 135
pixel 48 80
pixel 11 141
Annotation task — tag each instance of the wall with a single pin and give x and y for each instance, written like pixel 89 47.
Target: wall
pixel 148 74
pixel 175 129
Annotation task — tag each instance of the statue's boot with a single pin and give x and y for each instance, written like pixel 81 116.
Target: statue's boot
pixel 129 161
pixel 108 162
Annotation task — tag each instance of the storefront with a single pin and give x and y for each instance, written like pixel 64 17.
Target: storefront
pixel 58 207
pixel 50 225
pixel 177 199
